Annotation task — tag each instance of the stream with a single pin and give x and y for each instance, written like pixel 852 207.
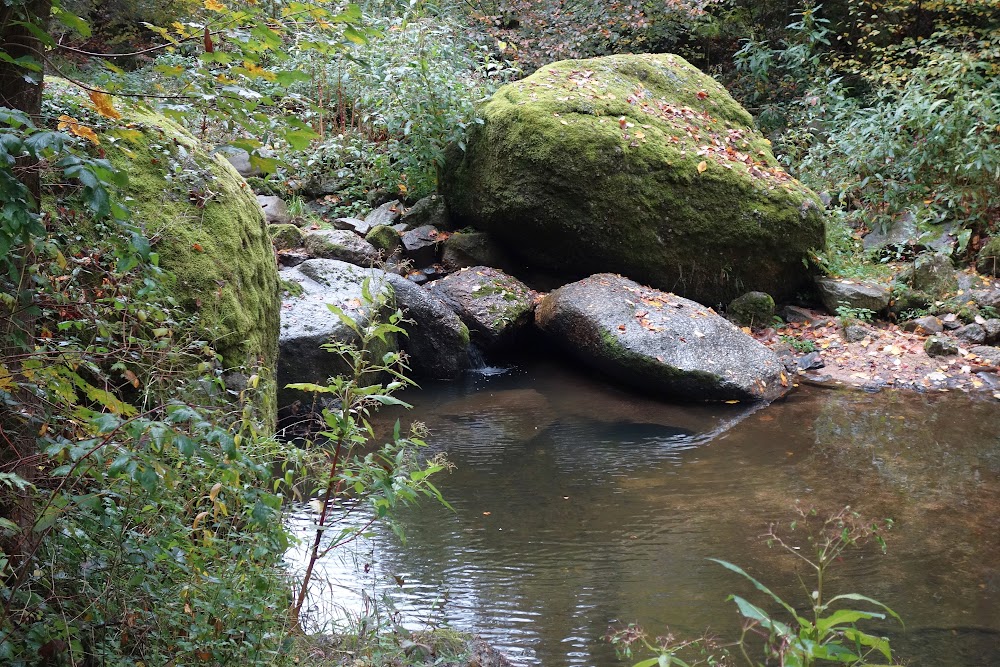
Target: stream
pixel 578 506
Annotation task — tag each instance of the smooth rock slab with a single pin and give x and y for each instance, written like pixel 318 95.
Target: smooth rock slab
pixel 659 342
pixel 854 294
pixel 343 245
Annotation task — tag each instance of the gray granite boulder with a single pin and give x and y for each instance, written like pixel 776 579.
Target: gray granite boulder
pixel 987 353
pixel 934 274
pixel 659 342
pixel 496 307
pixel 437 341
pixel 355 225
pixel 275 210
pixel 428 211
pixel 307 322
pixel 341 244
pixel 925 325
pixel 971 334
pixel 463 249
pixel 420 245
pixel 387 214
pixel 852 294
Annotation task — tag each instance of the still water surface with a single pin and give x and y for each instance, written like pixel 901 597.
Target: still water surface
pixel 578 506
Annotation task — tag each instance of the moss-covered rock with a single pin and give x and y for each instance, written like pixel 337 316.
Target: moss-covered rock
pixel 988 259
pixel 753 309
pixel 285 236
pixel 384 238
pixel 207 228
pixel 639 164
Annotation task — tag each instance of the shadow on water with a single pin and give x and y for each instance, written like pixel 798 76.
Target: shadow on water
pixel 578 506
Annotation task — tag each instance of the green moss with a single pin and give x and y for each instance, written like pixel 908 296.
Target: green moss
pixel 593 165
pixel 285 236
pixel 290 287
pixel 384 238
pixel 463 334
pixel 208 230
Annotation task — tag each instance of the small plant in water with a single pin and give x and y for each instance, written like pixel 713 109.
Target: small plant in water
pixel 348 469
pixel 827 632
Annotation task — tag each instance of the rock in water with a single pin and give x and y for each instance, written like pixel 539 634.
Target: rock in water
pixel 659 342
pixel 638 164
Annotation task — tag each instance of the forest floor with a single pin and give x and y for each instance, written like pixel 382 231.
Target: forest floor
pixel 888 357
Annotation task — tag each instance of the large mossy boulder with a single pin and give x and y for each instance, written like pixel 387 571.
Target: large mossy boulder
pixel 658 342
pixel 637 164
pixel 206 227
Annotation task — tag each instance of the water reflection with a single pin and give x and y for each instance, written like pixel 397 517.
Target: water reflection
pixel 577 506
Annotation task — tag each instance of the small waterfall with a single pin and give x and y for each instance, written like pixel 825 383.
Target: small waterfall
pixel 480 366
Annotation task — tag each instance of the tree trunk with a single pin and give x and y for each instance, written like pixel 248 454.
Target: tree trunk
pixel 18 447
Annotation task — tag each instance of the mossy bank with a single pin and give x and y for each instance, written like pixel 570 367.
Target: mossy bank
pixel 203 223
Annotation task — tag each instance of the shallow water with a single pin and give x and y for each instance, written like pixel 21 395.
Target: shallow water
pixel 578 506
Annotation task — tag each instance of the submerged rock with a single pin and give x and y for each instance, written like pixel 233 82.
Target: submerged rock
pixel 659 342
pixel 639 164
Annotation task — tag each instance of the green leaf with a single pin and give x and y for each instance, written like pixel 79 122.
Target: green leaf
pixel 857 597
pixel 71 21
pixel 846 617
pixel 759 586
pixel 300 139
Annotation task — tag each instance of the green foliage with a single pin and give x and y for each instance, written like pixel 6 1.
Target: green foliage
pixel 154 533
pixel 388 110
pixel 799 344
pixel 535 33
pixel 923 146
pixel 828 632
pixel 848 314
pixel 345 469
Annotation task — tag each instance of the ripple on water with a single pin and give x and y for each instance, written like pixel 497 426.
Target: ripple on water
pixel 577 506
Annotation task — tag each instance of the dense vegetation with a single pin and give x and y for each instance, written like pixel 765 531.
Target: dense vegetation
pixel 141 504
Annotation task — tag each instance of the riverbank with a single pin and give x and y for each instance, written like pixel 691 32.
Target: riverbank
pixel 885 357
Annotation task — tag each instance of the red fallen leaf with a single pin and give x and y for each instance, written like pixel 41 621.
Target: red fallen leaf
pixel 621 327
pixel 197 247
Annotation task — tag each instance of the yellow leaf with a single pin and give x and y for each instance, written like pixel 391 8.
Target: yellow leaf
pixel 77 128
pixel 214 6
pixel 702 166
pixel 255 70
pixel 102 102
pixel 214 493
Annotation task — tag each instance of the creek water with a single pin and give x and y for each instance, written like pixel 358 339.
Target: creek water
pixel 578 506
